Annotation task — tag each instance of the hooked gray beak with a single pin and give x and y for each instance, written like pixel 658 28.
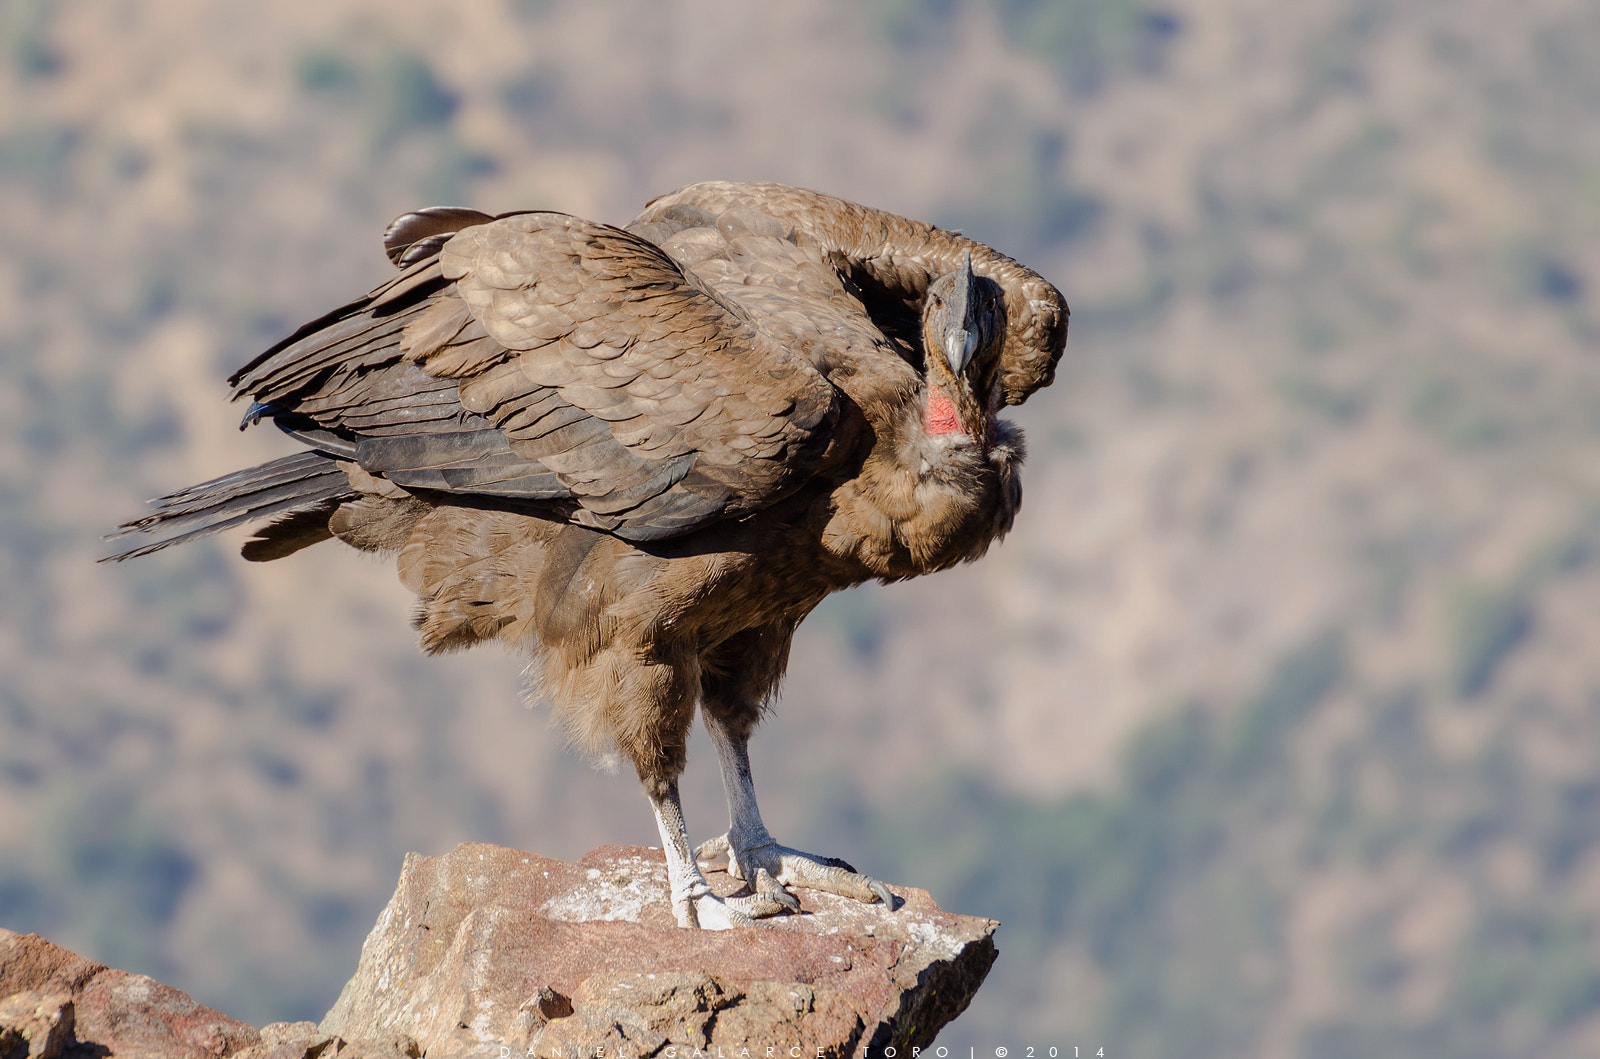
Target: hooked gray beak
pixel 959 346
pixel 960 341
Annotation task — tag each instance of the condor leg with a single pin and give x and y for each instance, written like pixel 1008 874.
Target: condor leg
pixel 753 854
pixel 650 724
pixel 692 900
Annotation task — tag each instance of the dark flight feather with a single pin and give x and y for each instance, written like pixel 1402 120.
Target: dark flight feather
pixel 306 479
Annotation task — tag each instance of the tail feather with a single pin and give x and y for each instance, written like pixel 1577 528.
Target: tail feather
pixel 304 480
pixel 250 486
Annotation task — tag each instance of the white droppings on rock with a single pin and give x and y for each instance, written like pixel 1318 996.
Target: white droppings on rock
pixel 931 935
pixel 621 897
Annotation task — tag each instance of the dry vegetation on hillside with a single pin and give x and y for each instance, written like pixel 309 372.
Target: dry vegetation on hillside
pixel 1273 730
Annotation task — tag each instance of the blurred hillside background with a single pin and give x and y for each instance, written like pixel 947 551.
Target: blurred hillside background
pixel 1273 730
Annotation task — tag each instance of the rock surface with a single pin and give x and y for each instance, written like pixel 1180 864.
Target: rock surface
pixel 62 1004
pixel 492 951
pixel 36 1025
pixel 489 948
pixel 55 1004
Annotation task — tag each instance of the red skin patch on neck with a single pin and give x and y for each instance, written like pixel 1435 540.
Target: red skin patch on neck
pixel 942 415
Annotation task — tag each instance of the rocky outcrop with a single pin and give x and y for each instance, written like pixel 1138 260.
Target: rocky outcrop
pixel 489 948
pixel 495 952
pixel 56 1003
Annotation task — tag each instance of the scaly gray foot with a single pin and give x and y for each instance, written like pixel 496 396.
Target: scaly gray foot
pixel 698 907
pixel 773 868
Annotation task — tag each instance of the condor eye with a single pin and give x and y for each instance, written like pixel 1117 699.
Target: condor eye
pixel 938 302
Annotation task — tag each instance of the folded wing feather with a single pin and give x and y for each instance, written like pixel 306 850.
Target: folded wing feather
pixel 544 358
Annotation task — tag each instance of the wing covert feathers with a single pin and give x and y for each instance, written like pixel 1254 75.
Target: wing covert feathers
pixel 543 358
pixel 658 405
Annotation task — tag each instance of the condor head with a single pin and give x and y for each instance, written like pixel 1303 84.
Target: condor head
pixel 963 328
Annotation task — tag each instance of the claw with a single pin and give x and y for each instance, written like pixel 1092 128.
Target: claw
pixel 760 906
pixel 788 901
pixel 773 890
pixel 883 893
